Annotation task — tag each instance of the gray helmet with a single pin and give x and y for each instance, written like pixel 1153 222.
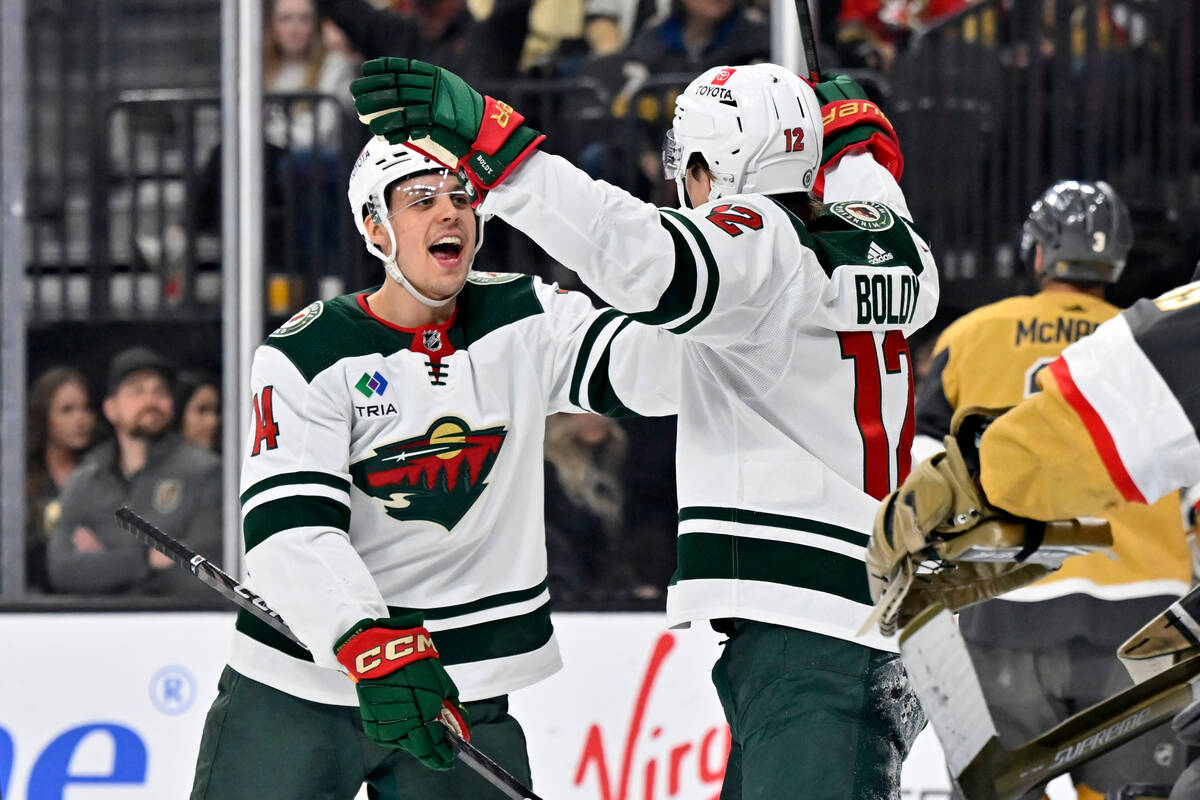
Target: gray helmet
pixel 1084 230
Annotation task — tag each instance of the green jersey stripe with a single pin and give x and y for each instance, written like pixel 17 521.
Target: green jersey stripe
pixel 499 638
pixel 260 631
pixel 585 352
pixel 602 397
pixel 286 513
pixel 482 604
pixel 706 556
pixel 710 265
pixel 677 298
pixel 295 478
pixel 749 517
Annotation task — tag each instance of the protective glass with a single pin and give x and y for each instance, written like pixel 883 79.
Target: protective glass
pixel 426 189
pixel 672 156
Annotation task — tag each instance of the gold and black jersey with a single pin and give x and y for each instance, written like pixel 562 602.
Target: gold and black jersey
pixel 992 357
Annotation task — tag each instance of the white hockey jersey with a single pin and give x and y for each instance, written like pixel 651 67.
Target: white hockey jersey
pixel 796 408
pixel 389 470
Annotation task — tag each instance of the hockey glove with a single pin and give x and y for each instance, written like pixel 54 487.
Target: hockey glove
pixel 434 110
pixel 939 515
pixel 853 122
pixel 406 698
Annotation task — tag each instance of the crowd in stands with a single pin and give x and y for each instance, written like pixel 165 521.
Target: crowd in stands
pixel 157 455
pixel 610 484
pixel 610 512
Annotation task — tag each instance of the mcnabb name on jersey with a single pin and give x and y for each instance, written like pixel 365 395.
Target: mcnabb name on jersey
pixel 885 298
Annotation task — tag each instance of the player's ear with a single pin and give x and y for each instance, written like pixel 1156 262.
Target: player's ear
pixel 375 230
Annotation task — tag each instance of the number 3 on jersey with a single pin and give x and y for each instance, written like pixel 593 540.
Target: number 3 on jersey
pixel 266 429
pixel 859 347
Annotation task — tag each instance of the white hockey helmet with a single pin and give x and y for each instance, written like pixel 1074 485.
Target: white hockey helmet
pixel 758 127
pixel 378 166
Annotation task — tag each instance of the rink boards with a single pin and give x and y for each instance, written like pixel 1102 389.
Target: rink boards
pixel 110 707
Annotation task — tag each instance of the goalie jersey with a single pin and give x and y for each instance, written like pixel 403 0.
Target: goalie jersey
pixel 796 412
pixel 1118 419
pixel 389 470
pixel 993 357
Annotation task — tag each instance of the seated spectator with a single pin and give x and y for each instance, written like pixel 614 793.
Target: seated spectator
pixel 610 24
pixel 308 136
pixel 440 31
pixel 699 34
pixel 198 402
pixel 59 429
pixel 146 467
pixel 696 35
pixel 871 33
pixel 295 60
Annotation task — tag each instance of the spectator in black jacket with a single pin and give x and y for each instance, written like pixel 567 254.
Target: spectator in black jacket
pixel 440 31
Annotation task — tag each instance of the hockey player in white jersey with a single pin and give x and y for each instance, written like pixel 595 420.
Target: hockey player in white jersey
pixel 392 506
pixel 796 406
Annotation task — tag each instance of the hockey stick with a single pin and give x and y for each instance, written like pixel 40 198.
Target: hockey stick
pixel 808 41
pixel 939 666
pixel 230 589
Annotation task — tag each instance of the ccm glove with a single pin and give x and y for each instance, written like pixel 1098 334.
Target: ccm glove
pixel 852 121
pixel 406 100
pixel 406 698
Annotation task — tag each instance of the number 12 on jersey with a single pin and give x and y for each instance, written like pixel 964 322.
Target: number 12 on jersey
pixel 859 347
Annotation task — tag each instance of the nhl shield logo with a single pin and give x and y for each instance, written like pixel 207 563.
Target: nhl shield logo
pixel 167 496
pixel 432 340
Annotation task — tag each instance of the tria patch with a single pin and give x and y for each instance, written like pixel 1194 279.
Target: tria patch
pixel 436 477
pixel 300 320
pixel 876 255
pixel 486 278
pixel 372 385
pixel 864 214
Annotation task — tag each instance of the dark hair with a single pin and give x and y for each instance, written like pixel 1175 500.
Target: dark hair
pixel 187 384
pixel 802 204
pixel 37 423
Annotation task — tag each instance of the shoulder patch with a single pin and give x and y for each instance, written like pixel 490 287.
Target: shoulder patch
pixel 486 278
pixel 864 214
pixel 300 320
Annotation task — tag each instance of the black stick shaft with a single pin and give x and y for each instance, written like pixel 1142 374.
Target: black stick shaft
pixel 808 41
pixel 232 590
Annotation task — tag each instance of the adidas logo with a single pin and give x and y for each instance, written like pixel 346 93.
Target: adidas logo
pixel 877 255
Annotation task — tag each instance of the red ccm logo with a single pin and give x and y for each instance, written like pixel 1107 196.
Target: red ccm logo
pixel 722 76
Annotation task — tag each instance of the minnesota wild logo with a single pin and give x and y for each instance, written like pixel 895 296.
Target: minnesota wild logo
pixel 435 477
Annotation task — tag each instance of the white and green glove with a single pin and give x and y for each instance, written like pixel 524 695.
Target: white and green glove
pixel 437 112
